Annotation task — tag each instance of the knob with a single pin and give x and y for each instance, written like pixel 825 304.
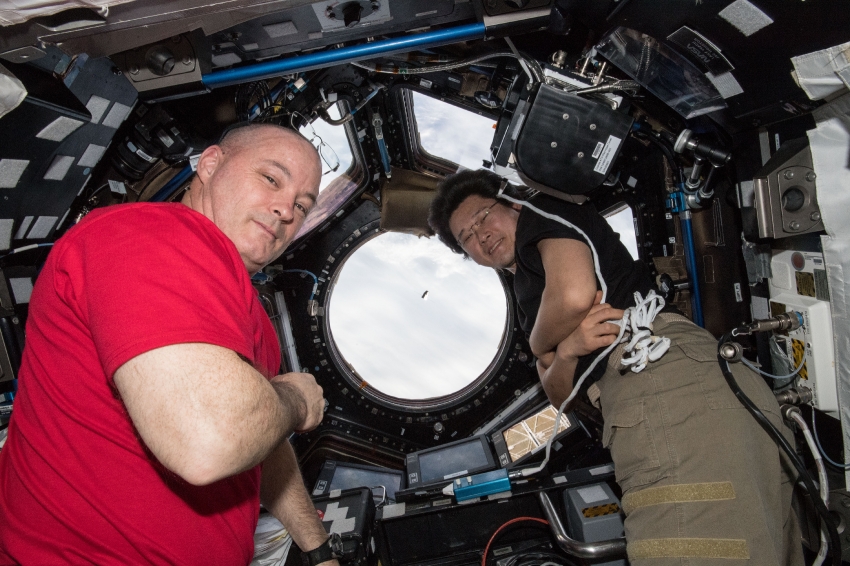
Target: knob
pixel 160 60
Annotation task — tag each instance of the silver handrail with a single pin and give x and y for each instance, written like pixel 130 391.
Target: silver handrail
pixel 613 548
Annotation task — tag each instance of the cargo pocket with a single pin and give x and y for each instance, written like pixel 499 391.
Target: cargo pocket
pixel 629 436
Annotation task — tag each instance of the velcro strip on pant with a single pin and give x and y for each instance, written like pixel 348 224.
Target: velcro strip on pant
pixel 688 548
pixel 681 493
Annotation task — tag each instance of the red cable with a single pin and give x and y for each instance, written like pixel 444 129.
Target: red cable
pixel 499 530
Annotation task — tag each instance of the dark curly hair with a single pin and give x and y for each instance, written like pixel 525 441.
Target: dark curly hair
pixel 455 189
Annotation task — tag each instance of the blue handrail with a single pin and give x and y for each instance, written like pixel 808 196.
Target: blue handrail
pixel 268 69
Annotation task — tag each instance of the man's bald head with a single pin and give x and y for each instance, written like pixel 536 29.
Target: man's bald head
pixel 244 137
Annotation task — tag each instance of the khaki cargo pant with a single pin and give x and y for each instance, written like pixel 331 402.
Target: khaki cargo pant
pixel 703 484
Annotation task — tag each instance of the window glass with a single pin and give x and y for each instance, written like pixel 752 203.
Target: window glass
pixel 413 319
pixel 332 143
pixel 336 186
pixel 455 134
pixel 622 220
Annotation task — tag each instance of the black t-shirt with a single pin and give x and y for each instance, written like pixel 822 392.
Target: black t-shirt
pixel 623 275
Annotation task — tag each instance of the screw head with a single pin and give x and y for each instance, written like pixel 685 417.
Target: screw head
pixel 788 174
pixel 811 176
pixel 554 144
pixel 794 225
pixel 15 320
pixel 593 126
pixel 580 154
pixel 134 70
pixel 565 116
pixel 815 216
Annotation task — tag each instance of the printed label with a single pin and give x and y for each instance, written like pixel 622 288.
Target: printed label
pixel 145 156
pixel 608 153
pixel 117 187
pixel 598 150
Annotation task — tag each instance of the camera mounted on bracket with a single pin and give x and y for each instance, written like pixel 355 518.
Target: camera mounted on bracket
pixel 560 143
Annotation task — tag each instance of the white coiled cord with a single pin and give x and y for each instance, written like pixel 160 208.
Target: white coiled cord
pixel 643 346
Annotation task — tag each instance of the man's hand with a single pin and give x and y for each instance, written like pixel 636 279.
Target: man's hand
pixel 308 401
pixel 594 332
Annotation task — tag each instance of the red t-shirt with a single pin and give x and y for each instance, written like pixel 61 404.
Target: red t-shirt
pixel 77 485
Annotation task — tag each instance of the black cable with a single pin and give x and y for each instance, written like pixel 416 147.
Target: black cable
pixel 814 494
pixel 247 94
pixel 666 150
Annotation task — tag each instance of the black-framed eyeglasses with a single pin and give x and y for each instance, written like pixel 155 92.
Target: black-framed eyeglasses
pixel 326 152
pixel 484 214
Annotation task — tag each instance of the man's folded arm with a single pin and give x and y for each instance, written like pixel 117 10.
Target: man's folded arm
pixel 557 369
pixel 204 412
pixel 568 294
pixel 557 378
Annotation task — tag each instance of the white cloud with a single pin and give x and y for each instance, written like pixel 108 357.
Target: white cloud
pixel 451 132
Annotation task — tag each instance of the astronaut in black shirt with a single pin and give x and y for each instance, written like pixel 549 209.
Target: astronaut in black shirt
pixel 700 479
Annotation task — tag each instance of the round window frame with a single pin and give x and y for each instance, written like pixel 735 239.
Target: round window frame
pixel 444 402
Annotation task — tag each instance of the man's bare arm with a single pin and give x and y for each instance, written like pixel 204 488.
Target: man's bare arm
pixel 206 414
pixel 568 294
pixel 283 494
pixel 557 369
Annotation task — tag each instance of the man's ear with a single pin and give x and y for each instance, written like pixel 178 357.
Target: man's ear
pixel 209 161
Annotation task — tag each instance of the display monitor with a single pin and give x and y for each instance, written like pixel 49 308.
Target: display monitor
pixel 519 442
pixel 441 464
pixel 342 475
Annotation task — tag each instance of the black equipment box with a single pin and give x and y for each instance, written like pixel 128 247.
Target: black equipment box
pixel 439 532
pixel 351 513
pixel 567 142
pixel 438 529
